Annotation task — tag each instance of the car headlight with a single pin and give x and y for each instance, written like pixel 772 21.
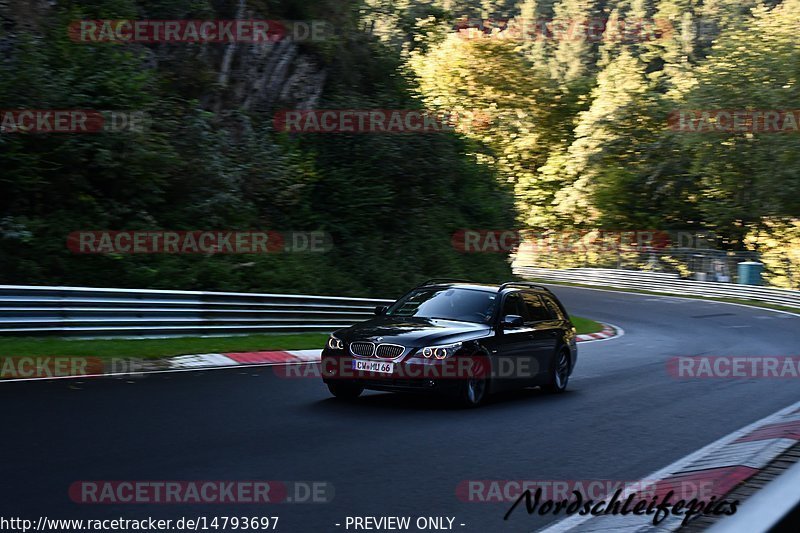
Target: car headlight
pixel 335 344
pixel 441 352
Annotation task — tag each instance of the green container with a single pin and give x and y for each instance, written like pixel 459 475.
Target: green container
pixel 750 273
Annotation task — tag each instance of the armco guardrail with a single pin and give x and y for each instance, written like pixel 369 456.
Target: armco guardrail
pixel 98 312
pixel 661 282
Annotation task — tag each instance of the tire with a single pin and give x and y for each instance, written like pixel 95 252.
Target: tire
pixel 474 390
pixel 345 391
pixel 559 374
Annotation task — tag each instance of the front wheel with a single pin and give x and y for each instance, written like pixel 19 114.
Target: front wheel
pixel 474 392
pixel 345 391
pixel 559 375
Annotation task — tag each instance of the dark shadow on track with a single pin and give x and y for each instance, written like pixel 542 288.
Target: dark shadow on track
pixel 431 402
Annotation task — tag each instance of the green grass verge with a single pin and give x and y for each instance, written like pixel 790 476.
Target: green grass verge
pixel 755 303
pixel 155 348
pixel 585 325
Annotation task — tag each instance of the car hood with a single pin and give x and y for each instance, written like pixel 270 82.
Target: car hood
pixel 413 331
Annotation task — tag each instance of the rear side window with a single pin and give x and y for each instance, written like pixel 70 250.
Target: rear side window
pixel 553 308
pixel 536 311
pixel 512 305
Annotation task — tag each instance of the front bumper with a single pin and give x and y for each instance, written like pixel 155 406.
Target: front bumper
pixel 409 374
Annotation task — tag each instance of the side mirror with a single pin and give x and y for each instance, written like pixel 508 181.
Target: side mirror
pixel 512 321
pixel 381 309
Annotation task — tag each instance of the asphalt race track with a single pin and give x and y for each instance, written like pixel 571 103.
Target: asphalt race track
pixel 390 455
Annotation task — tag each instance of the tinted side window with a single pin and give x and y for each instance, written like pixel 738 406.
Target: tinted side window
pixel 512 305
pixel 552 306
pixel 536 309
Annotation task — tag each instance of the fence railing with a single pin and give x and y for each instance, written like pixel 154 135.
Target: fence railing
pixel 100 312
pixel 699 264
pixel 662 282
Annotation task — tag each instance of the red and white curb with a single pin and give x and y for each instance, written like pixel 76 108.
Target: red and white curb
pixel 723 465
pixel 212 360
pixel 606 333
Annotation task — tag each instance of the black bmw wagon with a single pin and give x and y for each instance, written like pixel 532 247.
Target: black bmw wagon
pixel 463 339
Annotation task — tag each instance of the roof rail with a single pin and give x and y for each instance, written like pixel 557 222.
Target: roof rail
pixel 526 284
pixel 434 281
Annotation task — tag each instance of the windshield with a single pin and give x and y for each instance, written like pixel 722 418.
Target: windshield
pixel 466 305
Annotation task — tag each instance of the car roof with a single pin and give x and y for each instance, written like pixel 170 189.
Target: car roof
pixel 486 287
pixel 473 286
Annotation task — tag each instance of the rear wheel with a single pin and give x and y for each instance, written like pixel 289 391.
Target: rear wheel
pixel 345 391
pixel 559 374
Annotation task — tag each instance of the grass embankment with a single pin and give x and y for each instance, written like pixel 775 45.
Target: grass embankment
pixel 585 325
pixel 155 348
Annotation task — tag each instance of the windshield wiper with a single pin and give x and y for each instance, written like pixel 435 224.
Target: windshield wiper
pixel 452 319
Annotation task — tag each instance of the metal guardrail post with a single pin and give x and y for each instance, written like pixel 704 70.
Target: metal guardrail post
pixel 662 282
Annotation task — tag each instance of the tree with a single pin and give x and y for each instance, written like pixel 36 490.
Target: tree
pixel 748 176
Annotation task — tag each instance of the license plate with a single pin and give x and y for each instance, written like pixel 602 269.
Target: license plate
pixel 373 366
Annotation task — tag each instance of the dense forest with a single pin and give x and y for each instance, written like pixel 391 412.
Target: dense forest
pixel 572 132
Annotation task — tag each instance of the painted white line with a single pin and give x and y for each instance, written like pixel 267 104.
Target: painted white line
pixel 681 464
